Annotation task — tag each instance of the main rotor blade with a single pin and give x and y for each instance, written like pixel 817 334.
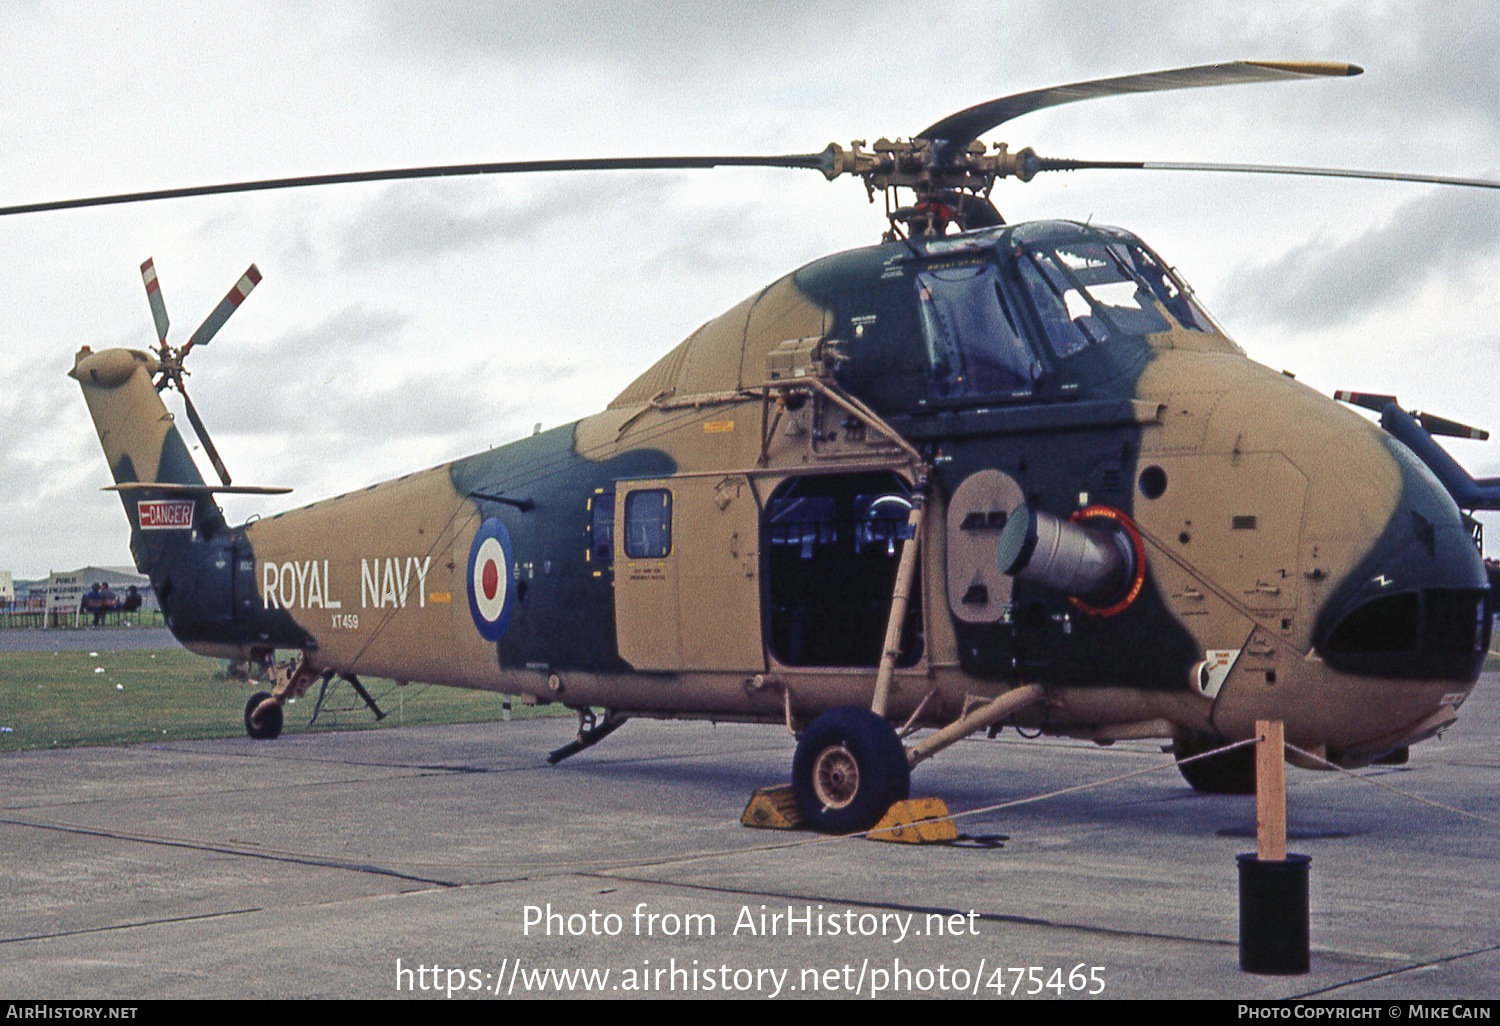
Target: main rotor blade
pixel 153 296
pixel 227 306
pixel 1059 164
pixel 967 125
pixel 208 445
pixel 816 161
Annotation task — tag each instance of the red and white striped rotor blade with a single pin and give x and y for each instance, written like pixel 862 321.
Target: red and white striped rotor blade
pixel 153 296
pixel 227 306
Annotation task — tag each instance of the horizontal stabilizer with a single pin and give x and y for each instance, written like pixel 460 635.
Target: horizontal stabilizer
pixel 159 486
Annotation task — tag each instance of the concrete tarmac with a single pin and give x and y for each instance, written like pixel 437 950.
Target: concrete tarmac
pixel 86 639
pixel 419 861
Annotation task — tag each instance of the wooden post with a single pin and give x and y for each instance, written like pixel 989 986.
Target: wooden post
pixel 1270 791
pixel 1273 885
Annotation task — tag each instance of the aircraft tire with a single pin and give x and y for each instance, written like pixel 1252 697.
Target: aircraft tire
pixel 849 768
pixel 1230 773
pixel 270 721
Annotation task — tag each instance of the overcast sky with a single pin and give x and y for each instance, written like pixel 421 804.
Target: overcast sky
pixel 402 325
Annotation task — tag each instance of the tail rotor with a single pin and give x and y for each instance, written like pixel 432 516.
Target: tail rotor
pixel 170 359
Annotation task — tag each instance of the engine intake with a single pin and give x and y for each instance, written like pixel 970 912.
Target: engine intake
pixel 1096 558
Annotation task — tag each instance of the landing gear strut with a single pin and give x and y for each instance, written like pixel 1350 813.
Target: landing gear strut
pixel 590 732
pixel 263 713
pixel 359 689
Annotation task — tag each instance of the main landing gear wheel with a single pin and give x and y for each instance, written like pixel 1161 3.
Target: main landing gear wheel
pixel 849 768
pixel 1230 773
pixel 268 725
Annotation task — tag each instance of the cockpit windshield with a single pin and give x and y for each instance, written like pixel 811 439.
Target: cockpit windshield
pixel 998 309
pixel 1088 289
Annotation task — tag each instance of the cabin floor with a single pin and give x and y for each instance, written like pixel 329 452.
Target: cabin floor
pixel 350 865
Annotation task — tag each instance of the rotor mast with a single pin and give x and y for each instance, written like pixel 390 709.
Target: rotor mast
pixel 951 187
pixel 952 172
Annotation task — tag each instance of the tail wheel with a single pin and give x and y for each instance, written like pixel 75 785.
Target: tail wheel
pixel 268 724
pixel 1230 773
pixel 849 768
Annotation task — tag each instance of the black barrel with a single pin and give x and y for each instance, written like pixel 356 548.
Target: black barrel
pixel 1273 915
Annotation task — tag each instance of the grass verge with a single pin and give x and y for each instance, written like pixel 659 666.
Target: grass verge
pixel 69 699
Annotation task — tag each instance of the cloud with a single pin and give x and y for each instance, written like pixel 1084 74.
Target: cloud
pixel 49 456
pixel 642 33
pixel 1447 62
pixel 426 220
pixel 356 326
pixel 1430 79
pixel 1322 283
pixel 317 398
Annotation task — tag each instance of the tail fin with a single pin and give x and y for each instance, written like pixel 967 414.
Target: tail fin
pixel 165 496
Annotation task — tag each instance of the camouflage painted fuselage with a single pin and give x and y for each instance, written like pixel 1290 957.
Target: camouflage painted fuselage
pixel 718 544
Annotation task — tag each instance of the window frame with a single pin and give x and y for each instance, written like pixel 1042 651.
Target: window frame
pixel 660 527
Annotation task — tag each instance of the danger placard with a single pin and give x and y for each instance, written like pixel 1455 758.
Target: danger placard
pixel 165 514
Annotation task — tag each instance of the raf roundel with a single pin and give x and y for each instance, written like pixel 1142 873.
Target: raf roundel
pixel 491 573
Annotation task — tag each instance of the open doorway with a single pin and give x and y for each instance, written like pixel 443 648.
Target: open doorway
pixel 833 542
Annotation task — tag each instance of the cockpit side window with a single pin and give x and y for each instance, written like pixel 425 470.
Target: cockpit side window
pixel 973 336
pixel 1059 304
pixel 1165 286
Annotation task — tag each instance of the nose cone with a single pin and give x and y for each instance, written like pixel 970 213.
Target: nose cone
pixel 1354 596
pixel 1417 605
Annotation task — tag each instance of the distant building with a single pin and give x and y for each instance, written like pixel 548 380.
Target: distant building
pixel 7 590
pixel 66 590
pixel 31 595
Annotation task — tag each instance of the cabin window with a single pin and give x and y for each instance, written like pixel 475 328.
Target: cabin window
pixel 648 523
pixel 974 341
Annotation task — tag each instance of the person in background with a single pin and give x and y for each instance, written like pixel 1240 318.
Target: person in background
pixel 93 603
pixel 132 601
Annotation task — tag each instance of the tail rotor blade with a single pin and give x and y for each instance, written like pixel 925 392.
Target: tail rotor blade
pixel 208 445
pixel 1436 425
pixel 153 296
pixel 1431 422
pixel 221 313
pixel 1369 400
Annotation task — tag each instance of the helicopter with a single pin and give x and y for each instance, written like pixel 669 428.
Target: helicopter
pixel 976 475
